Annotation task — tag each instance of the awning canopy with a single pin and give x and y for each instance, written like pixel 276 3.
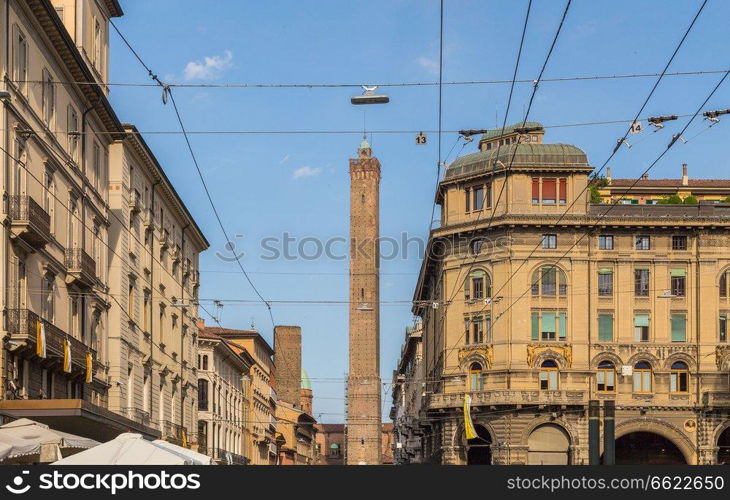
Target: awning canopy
pixel 26 438
pixel 197 458
pixel 128 449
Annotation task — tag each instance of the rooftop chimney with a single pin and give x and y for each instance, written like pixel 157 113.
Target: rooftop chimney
pixel 288 361
pixel 645 176
pixel 685 178
pixel 608 175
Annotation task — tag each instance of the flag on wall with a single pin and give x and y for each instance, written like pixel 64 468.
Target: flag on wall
pixel 66 356
pixel 40 339
pixel 469 430
pixel 89 368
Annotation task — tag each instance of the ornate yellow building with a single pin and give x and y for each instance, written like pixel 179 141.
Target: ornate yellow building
pixel 533 305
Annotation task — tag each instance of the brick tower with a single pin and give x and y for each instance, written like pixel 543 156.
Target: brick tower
pixel 363 382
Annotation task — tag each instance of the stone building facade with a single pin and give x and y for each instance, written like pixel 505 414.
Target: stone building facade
pixel 224 387
pixel 407 393
pixel 363 379
pixel 96 240
pixel 534 305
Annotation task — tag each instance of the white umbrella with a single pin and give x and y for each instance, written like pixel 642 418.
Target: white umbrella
pixel 126 449
pixel 197 458
pixel 25 437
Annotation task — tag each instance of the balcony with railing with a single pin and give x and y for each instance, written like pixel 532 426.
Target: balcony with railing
pixel 22 327
pixel 80 267
pixel 508 397
pixel 140 416
pixel 29 222
pixel 225 457
pixel 172 432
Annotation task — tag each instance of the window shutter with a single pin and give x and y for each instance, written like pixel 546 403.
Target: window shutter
pixel 548 322
pixel 548 189
pixel 478 274
pixel 535 189
pixel 641 320
pixel 679 328
pixel 605 327
pixel 467 289
pixel 678 272
pixel 535 326
pixel 563 333
pixel 605 270
pixel 563 191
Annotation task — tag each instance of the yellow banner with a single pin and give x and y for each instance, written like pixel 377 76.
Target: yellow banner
pixel 184 439
pixel 66 356
pixel 89 368
pixel 469 430
pixel 40 339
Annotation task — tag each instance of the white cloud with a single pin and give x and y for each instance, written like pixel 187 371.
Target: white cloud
pixel 430 65
pixel 210 68
pixel 306 172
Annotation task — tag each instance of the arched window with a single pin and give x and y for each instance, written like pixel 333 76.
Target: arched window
pixel 549 376
pixel 679 378
pixel 606 377
pixel 724 282
pixel 476 378
pixel 202 394
pixel 642 377
pixel 549 281
pixel 477 285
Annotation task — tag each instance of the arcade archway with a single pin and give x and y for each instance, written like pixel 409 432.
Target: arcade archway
pixel 479 449
pixel 647 448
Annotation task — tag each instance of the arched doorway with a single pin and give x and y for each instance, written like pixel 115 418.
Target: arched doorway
pixel 548 444
pixel 723 443
pixel 647 448
pixel 479 449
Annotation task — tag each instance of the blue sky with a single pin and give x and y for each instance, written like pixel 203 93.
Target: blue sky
pixel 268 184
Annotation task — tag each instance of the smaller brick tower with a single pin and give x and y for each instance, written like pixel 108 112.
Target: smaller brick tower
pixel 288 360
pixel 363 381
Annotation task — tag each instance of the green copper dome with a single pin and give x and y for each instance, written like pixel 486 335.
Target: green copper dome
pixel 306 383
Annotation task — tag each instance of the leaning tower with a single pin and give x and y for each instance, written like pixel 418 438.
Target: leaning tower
pixel 363 382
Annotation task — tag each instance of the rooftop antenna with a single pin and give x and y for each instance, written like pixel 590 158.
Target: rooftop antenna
pixel 253 323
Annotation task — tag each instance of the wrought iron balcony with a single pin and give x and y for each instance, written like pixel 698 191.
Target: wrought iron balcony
pixel 22 325
pixel 172 432
pixel 29 222
pixel 508 397
pixel 225 457
pixel 139 415
pixel 80 267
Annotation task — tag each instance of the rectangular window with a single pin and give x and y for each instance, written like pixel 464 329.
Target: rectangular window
pixel 641 282
pixel 97 44
pixel 678 282
pixel 562 326
pixel 535 190
pixel 48 91
pixel 641 328
pixel 549 191
pixel 642 381
pixel 467 324
pixel 477 330
pixel 679 242
pixel 20 66
pixel 549 380
pixel 96 166
pixel 548 327
pixel 605 282
pixel 488 329
pixel 606 380
pixel 642 243
pixel 563 191
pixel 550 241
pixel 478 287
pixel 723 327
pixel 605 242
pixel 679 328
pixel 478 197
pixel 605 327
pixel 467 200
pixel 73 134
pixel 535 326
pixel 679 381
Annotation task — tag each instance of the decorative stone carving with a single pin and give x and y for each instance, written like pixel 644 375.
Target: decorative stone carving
pixel 564 353
pixel 483 351
pixel 722 354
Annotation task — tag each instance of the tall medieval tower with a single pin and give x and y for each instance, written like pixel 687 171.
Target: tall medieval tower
pixel 363 382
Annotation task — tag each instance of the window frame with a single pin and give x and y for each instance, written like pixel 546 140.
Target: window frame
pixel 641 288
pixel 603 371
pixel 20 78
pixel 550 375
pixel 675 378
pixel 550 241
pixel 642 372
pixel 603 240
pixel 680 242
pixel 605 282
pixel 476 377
pixel 645 244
